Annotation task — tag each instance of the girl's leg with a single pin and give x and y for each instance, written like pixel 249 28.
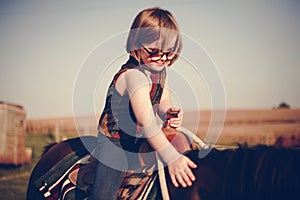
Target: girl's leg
pixel 110 170
pixel 107 183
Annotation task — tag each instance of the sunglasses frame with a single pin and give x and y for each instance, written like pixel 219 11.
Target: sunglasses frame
pixel 153 54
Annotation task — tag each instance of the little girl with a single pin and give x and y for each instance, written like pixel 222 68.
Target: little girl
pixel 138 94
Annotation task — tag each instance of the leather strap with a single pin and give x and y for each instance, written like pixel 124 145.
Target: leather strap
pixel 162 179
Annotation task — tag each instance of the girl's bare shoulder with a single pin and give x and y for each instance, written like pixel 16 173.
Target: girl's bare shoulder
pixel 131 79
pixel 135 75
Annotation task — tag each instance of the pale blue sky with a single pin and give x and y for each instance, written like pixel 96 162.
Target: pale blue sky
pixel 254 44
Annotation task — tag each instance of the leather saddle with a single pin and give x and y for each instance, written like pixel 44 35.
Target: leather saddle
pixel 135 184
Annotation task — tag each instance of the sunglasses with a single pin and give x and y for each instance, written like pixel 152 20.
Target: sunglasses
pixel 157 54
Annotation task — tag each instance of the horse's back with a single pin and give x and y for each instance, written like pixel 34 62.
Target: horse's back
pixel 260 172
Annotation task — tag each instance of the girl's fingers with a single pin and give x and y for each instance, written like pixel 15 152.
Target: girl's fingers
pixel 186 179
pixel 181 172
pixel 174 181
pixel 181 179
pixel 175 121
pixel 192 164
pixel 191 175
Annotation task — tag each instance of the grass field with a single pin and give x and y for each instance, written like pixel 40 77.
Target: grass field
pixel 14 179
pixel 249 126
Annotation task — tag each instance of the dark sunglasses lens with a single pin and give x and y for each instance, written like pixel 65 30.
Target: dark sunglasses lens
pixel 169 55
pixel 156 54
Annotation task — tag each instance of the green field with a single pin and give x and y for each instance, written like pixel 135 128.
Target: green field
pixel 14 179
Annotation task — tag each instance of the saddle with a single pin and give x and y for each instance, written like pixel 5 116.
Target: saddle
pixel 135 185
pixel 77 178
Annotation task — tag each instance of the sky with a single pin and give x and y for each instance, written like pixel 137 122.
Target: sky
pixel 238 54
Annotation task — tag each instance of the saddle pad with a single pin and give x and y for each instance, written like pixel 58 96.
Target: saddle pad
pixel 51 183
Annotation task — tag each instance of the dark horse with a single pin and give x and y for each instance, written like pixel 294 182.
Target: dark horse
pixel 260 172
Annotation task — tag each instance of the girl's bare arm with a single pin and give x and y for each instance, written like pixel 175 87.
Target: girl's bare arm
pixel 138 88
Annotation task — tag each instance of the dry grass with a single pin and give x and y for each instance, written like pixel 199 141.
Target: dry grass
pixel 240 126
pixel 252 126
pixel 64 127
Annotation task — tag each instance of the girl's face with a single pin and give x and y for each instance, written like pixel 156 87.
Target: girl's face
pixel 154 58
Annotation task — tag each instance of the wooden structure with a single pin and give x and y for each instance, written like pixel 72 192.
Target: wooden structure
pixel 13 135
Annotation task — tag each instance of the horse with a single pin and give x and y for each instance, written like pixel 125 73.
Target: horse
pixel 54 153
pixel 258 172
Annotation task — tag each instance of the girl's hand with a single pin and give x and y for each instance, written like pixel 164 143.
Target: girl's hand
pixel 181 173
pixel 175 121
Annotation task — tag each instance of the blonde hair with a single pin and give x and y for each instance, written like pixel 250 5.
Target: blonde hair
pixel 153 24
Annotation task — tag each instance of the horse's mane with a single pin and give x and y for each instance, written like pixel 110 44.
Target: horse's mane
pixel 260 170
